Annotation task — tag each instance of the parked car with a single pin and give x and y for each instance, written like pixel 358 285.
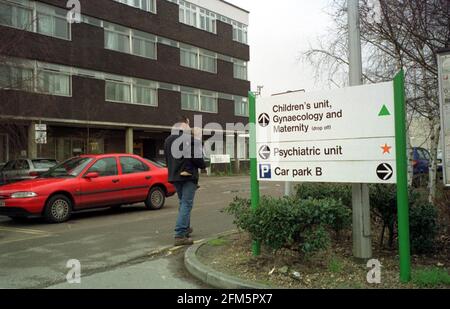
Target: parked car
pixel 24 169
pixel 86 182
pixel 422 161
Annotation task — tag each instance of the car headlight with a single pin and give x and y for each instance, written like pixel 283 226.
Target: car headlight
pixel 23 195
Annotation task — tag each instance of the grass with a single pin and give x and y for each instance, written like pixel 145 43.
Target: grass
pixel 335 265
pixel 431 278
pixel 218 242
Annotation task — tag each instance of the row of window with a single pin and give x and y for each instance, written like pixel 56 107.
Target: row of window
pixel 51 21
pixel 130 41
pixel 204 19
pixel 53 79
pixel 146 5
pixel 35 80
pixel 35 17
pixel 197 58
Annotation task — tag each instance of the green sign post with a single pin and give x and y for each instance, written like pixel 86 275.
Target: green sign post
pixel 401 165
pixel 402 178
pixel 254 186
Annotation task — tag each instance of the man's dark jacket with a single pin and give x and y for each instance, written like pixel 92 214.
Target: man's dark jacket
pixel 176 165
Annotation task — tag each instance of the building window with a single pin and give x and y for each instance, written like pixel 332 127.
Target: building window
pixel 134 92
pixel 198 59
pixel 188 13
pixel 53 82
pixel 117 38
pixel 130 41
pixel 199 100
pixel 144 44
pixel 240 32
pixel 207 21
pixel 118 92
pixel 208 102
pixel 189 100
pixel 145 5
pixel 241 107
pixel 240 69
pixel 189 57
pixel 14 15
pixel 16 78
pixel 35 17
pixel 145 93
pixel 52 22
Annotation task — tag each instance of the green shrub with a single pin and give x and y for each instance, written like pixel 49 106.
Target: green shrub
pixel 422 217
pixel 320 191
pixel 423 221
pixel 431 278
pixel 383 203
pixel 287 222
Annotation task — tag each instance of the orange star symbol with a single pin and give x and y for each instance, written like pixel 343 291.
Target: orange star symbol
pixel 386 149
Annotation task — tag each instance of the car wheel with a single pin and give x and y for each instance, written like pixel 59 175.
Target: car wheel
pixel 58 209
pixel 156 198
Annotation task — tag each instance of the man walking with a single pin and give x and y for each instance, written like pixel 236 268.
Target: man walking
pixel 179 148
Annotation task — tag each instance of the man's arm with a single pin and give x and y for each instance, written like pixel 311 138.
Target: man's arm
pixel 197 154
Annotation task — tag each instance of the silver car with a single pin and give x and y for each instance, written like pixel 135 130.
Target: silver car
pixel 23 169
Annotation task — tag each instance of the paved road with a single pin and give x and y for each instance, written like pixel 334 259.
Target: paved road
pixel 34 254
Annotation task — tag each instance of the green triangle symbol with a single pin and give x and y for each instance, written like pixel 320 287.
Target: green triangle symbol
pixel 384 111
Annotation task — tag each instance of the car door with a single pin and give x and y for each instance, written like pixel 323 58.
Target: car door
pixel 136 178
pixel 105 190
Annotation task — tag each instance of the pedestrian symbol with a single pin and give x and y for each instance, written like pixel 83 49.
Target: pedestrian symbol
pixel 264 120
pixel 385 171
pixel 264 152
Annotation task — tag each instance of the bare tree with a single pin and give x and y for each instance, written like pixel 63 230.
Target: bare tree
pixel 407 35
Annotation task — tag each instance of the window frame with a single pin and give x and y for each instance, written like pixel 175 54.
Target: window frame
pixel 48 70
pixel 148 169
pixel 101 159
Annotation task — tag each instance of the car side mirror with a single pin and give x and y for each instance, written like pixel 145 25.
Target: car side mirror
pixel 92 175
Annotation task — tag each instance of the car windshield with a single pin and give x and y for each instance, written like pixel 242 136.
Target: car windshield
pixel 70 168
pixel 42 164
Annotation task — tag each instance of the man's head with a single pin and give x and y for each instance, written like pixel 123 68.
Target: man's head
pixel 183 123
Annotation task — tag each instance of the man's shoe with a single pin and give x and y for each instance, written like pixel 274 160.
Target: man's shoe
pixel 183 242
pixel 189 232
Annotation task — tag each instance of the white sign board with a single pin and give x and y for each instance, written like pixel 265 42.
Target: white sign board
pixel 41 137
pixel 220 159
pixel 444 90
pixel 344 135
pixel 40 127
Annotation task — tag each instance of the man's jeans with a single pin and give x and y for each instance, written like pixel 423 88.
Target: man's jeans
pixel 186 194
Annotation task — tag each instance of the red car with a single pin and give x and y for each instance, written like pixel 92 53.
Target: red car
pixel 86 182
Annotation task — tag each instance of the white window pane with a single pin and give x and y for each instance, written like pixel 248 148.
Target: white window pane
pixel 54 83
pixel 209 104
pixel 144 95
pixel 144 48
pixel 189 102
pixel 52 26
pixel 118 92
pixel 15 16
pixel 117 41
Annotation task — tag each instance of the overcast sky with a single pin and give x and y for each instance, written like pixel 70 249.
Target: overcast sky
pixel 279 31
